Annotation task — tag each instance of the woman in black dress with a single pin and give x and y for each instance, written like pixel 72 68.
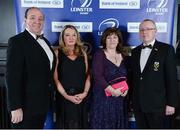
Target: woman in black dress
pixel 72 80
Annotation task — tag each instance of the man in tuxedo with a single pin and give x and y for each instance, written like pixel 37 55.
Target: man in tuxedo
pixel 154 79
pixel 30 68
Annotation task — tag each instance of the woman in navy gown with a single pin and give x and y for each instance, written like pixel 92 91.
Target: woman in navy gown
pixel 109 112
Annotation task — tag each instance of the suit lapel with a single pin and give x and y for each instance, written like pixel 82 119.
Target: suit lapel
pixel 42 51
pixel 137 58
pixel 151 57
pixel 54 57
pixel 35 43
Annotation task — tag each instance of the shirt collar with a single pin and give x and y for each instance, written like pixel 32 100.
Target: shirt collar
pixel 151 43
pixel 32 34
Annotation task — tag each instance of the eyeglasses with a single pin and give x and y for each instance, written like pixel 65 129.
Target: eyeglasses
pixel 146 29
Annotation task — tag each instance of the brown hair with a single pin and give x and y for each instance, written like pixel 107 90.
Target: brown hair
pixel 116 31
pixel 78 50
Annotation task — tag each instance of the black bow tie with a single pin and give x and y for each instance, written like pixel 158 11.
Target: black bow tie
pixel 147 46
pixel 39 36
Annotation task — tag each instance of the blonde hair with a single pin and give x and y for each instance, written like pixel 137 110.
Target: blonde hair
pixel 78 49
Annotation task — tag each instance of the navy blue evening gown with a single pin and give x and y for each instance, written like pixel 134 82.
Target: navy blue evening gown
pixel 107 112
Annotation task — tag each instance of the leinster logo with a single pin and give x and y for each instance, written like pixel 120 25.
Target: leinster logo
pixel 81 6
pixel 157 6
pixel 157 3
pixel 156 66
pixel 110 22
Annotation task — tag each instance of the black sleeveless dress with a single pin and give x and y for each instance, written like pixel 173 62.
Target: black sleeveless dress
pixel 72 75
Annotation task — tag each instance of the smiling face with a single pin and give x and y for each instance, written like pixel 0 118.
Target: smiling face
pixel 34 21
pixel 147 31
pixel 112 41
pixel 70 37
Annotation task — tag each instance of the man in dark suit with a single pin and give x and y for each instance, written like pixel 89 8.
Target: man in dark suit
pixel 30 68
pixel 154 79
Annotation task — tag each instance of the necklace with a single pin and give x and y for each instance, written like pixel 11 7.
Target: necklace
pixel 115 57
pixel 112 56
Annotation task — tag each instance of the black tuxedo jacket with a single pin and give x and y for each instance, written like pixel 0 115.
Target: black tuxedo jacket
pixel 29 77
pixel 156 86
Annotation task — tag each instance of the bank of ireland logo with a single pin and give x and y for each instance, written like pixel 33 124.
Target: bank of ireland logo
pixel 81 6
pixel 157 6
pixel 56 2
pixel 110 22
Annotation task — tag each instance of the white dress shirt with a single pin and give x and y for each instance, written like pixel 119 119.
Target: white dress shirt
pixel 145 55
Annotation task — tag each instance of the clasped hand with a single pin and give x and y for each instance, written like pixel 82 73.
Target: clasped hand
pixel 117 93
pixel 76 99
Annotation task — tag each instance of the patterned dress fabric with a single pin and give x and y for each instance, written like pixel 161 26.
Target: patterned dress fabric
pixel 107 112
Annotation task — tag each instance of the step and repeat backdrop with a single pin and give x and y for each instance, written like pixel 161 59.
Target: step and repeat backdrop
pixel 91 17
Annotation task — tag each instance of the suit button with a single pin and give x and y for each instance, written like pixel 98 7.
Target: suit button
pixel 141 78
pixel 49 85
